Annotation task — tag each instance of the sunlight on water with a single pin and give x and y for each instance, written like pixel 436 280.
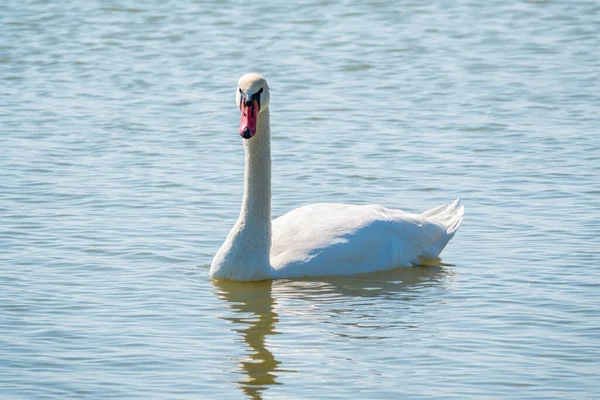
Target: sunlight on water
pixel 121 173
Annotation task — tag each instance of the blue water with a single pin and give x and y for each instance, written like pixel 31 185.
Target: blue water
pixel 121 172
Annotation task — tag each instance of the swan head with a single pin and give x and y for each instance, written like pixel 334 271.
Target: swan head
pixel 252 97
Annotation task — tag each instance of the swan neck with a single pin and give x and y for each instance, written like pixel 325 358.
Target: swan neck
pixel 256 205
pixel 244 255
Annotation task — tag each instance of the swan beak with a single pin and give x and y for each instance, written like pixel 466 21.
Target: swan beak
pixel 249 118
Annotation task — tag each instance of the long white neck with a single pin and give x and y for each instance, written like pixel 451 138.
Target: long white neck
pixel 245 253
pixel 255 214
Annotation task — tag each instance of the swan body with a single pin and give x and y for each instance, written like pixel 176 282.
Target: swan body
pixel 318 239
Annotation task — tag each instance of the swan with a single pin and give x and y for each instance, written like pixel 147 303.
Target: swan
pixel 321 239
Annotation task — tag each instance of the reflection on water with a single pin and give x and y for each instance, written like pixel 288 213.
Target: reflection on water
pixel 254 303
pixel 121 172
pixel 382 283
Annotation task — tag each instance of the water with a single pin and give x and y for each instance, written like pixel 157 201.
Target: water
pixel 121 173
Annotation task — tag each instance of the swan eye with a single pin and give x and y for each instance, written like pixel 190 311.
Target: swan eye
pixel 246 99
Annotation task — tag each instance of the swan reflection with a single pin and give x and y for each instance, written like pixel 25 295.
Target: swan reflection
pixel 254 309
pixel 254 319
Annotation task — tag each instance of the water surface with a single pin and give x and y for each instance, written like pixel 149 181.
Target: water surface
pixel 121 173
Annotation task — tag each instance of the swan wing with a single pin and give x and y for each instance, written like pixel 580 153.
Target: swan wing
pixel 341 239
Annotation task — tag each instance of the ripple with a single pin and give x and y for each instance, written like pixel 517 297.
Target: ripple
pixel 122 172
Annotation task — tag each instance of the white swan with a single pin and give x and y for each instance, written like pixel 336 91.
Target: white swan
pixel 318 239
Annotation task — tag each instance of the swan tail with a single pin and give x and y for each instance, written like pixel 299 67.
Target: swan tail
pixel 450 216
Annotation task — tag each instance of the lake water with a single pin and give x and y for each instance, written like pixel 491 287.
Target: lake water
pixel 121 172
